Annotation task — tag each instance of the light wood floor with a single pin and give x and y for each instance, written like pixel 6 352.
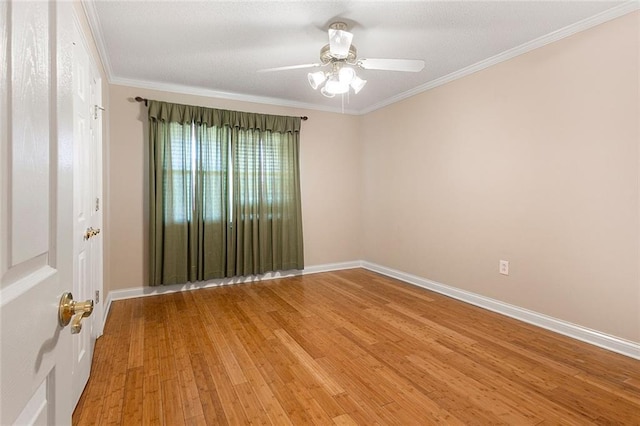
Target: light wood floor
pixel 348 347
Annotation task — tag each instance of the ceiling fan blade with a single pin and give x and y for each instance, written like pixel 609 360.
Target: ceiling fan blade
pixel 409 65
pixel 290 67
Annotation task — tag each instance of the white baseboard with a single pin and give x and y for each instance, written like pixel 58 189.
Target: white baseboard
pixel 130 293
pixel 605 341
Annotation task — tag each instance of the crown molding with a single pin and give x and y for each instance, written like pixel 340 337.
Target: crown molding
pixel 601 18
pixel 199 91
pixel 96 31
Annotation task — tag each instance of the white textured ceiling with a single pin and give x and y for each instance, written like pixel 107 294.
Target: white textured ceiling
pixel 215 48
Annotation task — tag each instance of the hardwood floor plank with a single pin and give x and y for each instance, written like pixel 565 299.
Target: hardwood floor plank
pixel 361 411
pixel 207 392
pixel 477 393
pixel 304 390
pixel 133 392
pixel 352 375
pixel 356 315
pixel 464 410
pixel 431 326
pixel 270 404
pixel 230 403
pixel 344 420
pixel 152 403
pixel 593 401
pixel 136 339
pixel 344 348
pixel 226 354
pixel 308 362
pixel 172 410
pixel 250 403
pixel 301 333
pixel 151 353
pixel 256 320
pixel 633 382
pixel 522 393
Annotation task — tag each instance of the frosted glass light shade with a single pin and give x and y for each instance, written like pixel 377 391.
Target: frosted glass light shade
pixel 346 75
pixel 339 43
pixel 335 86
pixel 357 84
pixel 325 93
pixel 316 79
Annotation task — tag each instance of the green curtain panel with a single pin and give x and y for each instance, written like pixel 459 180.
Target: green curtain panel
pixel 224 193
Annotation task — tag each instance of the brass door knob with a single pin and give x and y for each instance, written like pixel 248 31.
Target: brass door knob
pixel 70 311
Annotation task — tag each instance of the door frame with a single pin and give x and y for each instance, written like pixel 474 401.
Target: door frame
pixel 98 310
pixel 87 214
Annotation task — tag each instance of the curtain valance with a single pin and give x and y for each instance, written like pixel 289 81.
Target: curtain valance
pixel 177 113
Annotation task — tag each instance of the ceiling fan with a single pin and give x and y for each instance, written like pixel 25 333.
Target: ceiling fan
pixel 341 56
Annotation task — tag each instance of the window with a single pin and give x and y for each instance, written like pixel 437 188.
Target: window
pixel 179 174
pixel 227 187
pixel 260 166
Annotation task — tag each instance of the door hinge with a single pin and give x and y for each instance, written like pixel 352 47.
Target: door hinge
pixel 97 299
pixel 97 204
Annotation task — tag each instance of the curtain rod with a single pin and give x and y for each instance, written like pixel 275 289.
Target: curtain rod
pixel 146 103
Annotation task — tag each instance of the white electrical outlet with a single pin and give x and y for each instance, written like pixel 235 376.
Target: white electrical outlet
pixel 504 267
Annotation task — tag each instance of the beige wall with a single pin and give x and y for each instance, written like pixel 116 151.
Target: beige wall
pixel 534 160
pixel 330 180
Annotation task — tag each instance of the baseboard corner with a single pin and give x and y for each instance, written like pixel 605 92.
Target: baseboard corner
pixel 578 332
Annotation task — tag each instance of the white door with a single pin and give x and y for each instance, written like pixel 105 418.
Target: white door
pixel 36 211
pixel 87 243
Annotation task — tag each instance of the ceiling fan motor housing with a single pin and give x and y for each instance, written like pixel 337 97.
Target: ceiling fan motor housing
pixel 326 57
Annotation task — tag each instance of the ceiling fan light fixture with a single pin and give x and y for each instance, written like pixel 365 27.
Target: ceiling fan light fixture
pixel 335 86
pixel 357 84
pixel 342 58
pixel 346 75
pixel 316 79
pixel 325 93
